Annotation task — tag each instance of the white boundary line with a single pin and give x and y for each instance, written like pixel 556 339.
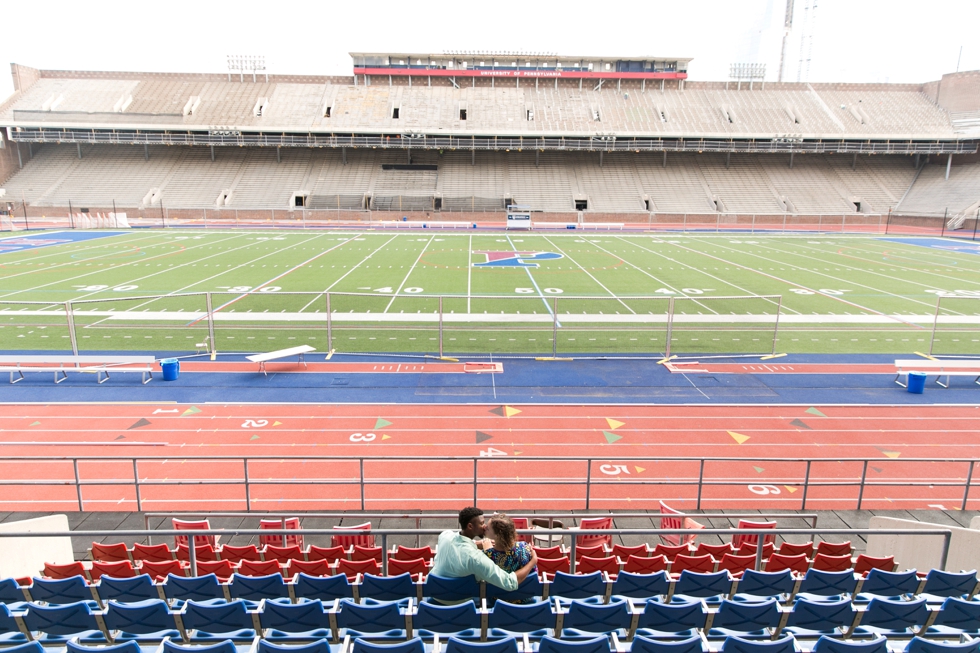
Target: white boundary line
pixel 409 273
pixel 599 283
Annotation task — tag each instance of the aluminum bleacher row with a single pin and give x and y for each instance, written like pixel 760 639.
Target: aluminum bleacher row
pixel 697 604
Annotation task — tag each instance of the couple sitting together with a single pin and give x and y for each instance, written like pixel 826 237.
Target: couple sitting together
pixel 502 561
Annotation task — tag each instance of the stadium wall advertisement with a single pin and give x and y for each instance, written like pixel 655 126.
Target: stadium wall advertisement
pixel 547 74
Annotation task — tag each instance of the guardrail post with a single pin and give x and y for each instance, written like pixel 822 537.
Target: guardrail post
pixel 935 321
pixel 969 481
pixel 759 547
pixel 248 501
pixel 554 331
pixel 700 484
pixel 78 484
pixel 192 553
pixel 384 554
pixel 806 484
pixel 70 316
pixel 360 462
pixel 947 536
pixel 775 329
pixel 670 326
pixel 440 326
pixel 136 480
pixel 864 475
pixel 475 461
pixel 282 525
pixel 329 326
pixel 214 345
pixel 588 484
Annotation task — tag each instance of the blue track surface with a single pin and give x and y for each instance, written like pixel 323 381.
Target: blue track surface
pixel 523 381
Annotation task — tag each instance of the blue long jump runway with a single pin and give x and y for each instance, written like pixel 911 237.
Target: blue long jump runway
pixel 37 241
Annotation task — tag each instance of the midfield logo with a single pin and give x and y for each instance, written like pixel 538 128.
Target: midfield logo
pixel 515 259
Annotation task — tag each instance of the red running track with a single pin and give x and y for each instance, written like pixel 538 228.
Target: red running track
pixel 184 437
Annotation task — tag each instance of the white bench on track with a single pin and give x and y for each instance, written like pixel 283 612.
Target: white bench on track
pixel 60 365
pixel 262 359
pixel 940 367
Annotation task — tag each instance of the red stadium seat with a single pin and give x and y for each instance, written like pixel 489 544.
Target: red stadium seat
pixel 310 568
pixel 67 570
pixel 417 568
pixel 360 536
pixel 594 524
pixel 587 565
pixel 109 552
pixel 866 563
pixel 550 552
pixel 670 552
pixel 597 551
pixel 351 568
pixel 672 519
pixel 735 564
pixel 637 565
pixel 716 551
pixel 235 554
pixel 282 554
pixel 624 552
pixel 259 568
pixel 835 548
pixel 203 553
pixel 550 566
pixel 223 569
pixel 823 562
pixel 739 539
pixel 118 569
pixel 749 550
pixel 366 553
pixel 520 523
pixel 409 553
pixel 152 552
pixel 291 523
pixel 330 554
pixel 798 564
pixel 790 549
pixel 159 570
pixel 198 525
pixel 701 564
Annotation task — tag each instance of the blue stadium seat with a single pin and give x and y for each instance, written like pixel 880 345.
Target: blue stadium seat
pixel 645 645
pixel 888 584
pixel 11 594
pixel 832 645
pixel 224 646
pixel 957 617
pixel 287 621
pixel 324 588
pixel 820 618
pixel 461 620
pixel 319 646
pixel 74 647
pixel 530 590
pixel 759 585
pixel 502 645
pixel 586 617
pixel 577 586
pixel 388 588
pixel 827 585
pixel 29 647
pixel 892 618
pixel 149 620
pixel 55 624
pixel 919 645
pixel 371 617
pixel 413 645
pixel 594 645
pixel 450 589
pixel 178 589
pixel 710 588
pixel 211 620
pixel 137 588
pixel 641 586
pixel 745 620
pixel 256 588
pixel 9 630
pixel 671 621
pixel 534 619
pixel 941 585
pixel 738 645
pixel 61 591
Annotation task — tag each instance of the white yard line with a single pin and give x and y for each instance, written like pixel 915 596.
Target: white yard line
pixel 469 275
pixel 405 280
pixel 533 282
pixel 343 276
pixel 600 284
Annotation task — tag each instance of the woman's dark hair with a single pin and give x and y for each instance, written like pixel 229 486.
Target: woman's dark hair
pixel 466 515
pixel 504 532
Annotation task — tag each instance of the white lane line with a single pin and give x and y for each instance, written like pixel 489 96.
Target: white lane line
pixel 344 275
pixel 469 276
pixel 600 284
pixel 533 282
pixel 405 280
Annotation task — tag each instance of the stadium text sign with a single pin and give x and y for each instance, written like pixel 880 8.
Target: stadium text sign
pixel 534 74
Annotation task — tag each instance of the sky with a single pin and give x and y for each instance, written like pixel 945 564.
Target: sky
pixel 851 40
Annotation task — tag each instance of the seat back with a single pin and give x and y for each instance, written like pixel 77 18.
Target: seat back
pixel 256 588
pixel 609 565
pixel 309 567
pixel 702 564
pixel 797 563
pixel 290 523
pixel 832 645
pixel 137 588
pixel 745 617
pixel 624 552
pixel 716 551
pixel 387 588
pixel 10 591
pixel 324 588
pixel 415 567
pixel 220 568
pixel 827 583
pixel 450 589
pixel 823 562
pixel 673 617
pixel 522 618
pixel 749 549
pixel 641 586
pixel 821 615
pixel 203 552
pixel 959 613
pixel 733 563
pixel 895 615
pixel 646 645
pixel 194 525
pixel 766 583
pixel 235 554
pixel 413 645
pixel 360 536
pixel 791 549
pixel 140 617
pixel 550 552
pixel 283 554
pixel 259 568
pixel 294 617
pixel 375 617
pixel 152 552
pixel 835 548
pixel 948 583
pixel 703 585
pixel 160 570
pixel 503 645
pixel 670 551
pixel 598 644
pixel 411 553
pixel 577 586
pixel 603 523
pixel 214 617
pixel 650 565
pixel 61 590
pixel 63 619
pixel 365 553
pixel 672 519
pixel 597 551
pixel 113 552
pixel 598 618
pixel 549 566
pixel 866 563
pixel 62 571
pixel 198 588
pixel 890 583
pixel 521 524
pixel 739 645
pixel 351 568
pixel 919 645
pixel 530 589
pixel 739 539
pixel 331 554
pixel 119 569
pixel 446 619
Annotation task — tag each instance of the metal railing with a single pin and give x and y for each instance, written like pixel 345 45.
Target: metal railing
pixel 590 476
pixel 385 534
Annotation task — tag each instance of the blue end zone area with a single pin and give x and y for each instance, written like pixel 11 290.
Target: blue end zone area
pixel 36 241
pixel 939 243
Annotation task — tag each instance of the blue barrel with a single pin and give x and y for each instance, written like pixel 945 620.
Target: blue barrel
pixel 917 382
pixel 171 369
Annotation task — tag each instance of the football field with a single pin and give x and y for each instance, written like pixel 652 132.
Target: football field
pixel 502 293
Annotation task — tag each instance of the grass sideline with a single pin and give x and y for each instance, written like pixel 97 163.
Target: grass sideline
pixel 839 293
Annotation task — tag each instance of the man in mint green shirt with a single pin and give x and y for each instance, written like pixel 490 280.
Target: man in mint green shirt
pixel 458 555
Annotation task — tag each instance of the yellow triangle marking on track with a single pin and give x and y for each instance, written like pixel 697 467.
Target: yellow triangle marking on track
pixel 277 423
pixel 640 470
pixel 510 412
pixel 738 437
pixel 791 489
pixel 892 454
pixel 385 437
pixel 613 424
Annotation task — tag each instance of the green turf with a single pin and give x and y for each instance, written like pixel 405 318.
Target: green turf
pixel 839 293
